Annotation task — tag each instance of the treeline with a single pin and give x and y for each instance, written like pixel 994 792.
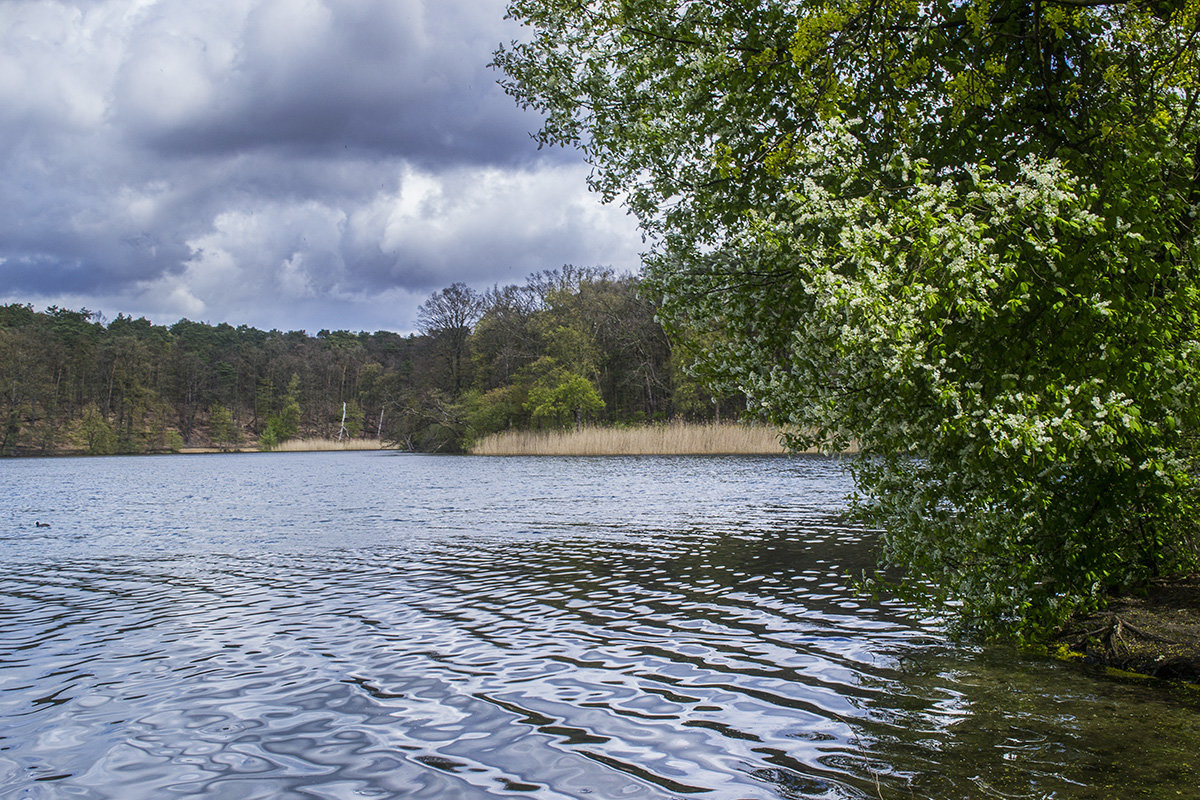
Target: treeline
pixel 566 346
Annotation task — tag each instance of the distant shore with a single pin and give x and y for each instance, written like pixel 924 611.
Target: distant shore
pixel 310 445
pixel 677 438
pixel 674 438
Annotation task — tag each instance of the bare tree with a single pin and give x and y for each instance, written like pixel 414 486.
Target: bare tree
pixel 448 316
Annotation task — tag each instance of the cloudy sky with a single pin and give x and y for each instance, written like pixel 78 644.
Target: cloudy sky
pixel 279 163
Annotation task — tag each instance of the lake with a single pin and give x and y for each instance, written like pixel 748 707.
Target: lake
pixel 384 625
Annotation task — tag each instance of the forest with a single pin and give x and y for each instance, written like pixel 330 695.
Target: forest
pixel 569 345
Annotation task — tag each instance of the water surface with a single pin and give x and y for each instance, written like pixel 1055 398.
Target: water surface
pixel 364 625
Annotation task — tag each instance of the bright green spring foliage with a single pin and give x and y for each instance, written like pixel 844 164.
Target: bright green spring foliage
pixel 286 424
pixel 960 234
pixel 563 396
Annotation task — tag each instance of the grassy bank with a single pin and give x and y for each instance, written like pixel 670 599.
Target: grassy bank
pixel 673 439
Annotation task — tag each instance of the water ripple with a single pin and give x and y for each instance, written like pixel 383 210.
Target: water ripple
pixel 447 637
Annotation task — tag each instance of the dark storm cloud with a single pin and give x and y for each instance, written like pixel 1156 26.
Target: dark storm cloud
pixel 398 78
pixel 248 160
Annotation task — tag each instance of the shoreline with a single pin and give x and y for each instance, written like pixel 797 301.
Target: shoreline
pixel 669 439
pixel 292 446
pixel 1156 635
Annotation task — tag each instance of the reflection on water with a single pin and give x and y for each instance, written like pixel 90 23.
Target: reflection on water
pixel 374 625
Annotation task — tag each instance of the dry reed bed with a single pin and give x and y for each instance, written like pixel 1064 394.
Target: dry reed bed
pixel 314 445
pixel 674 439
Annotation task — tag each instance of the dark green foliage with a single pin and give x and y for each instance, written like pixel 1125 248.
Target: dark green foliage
pixel 221 428
pixel 583 341
pixel 286 424
pixel 69 380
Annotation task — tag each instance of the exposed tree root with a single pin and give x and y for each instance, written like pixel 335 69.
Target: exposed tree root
pixel 1156 635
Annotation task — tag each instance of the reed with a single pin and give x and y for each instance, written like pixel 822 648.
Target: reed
pixel 312 445
pixel 678 438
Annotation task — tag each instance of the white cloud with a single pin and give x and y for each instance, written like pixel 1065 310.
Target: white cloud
pixel 478 225
pixel 491 219
pixel 263 160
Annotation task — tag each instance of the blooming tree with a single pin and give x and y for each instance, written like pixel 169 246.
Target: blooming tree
pixel 960 235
